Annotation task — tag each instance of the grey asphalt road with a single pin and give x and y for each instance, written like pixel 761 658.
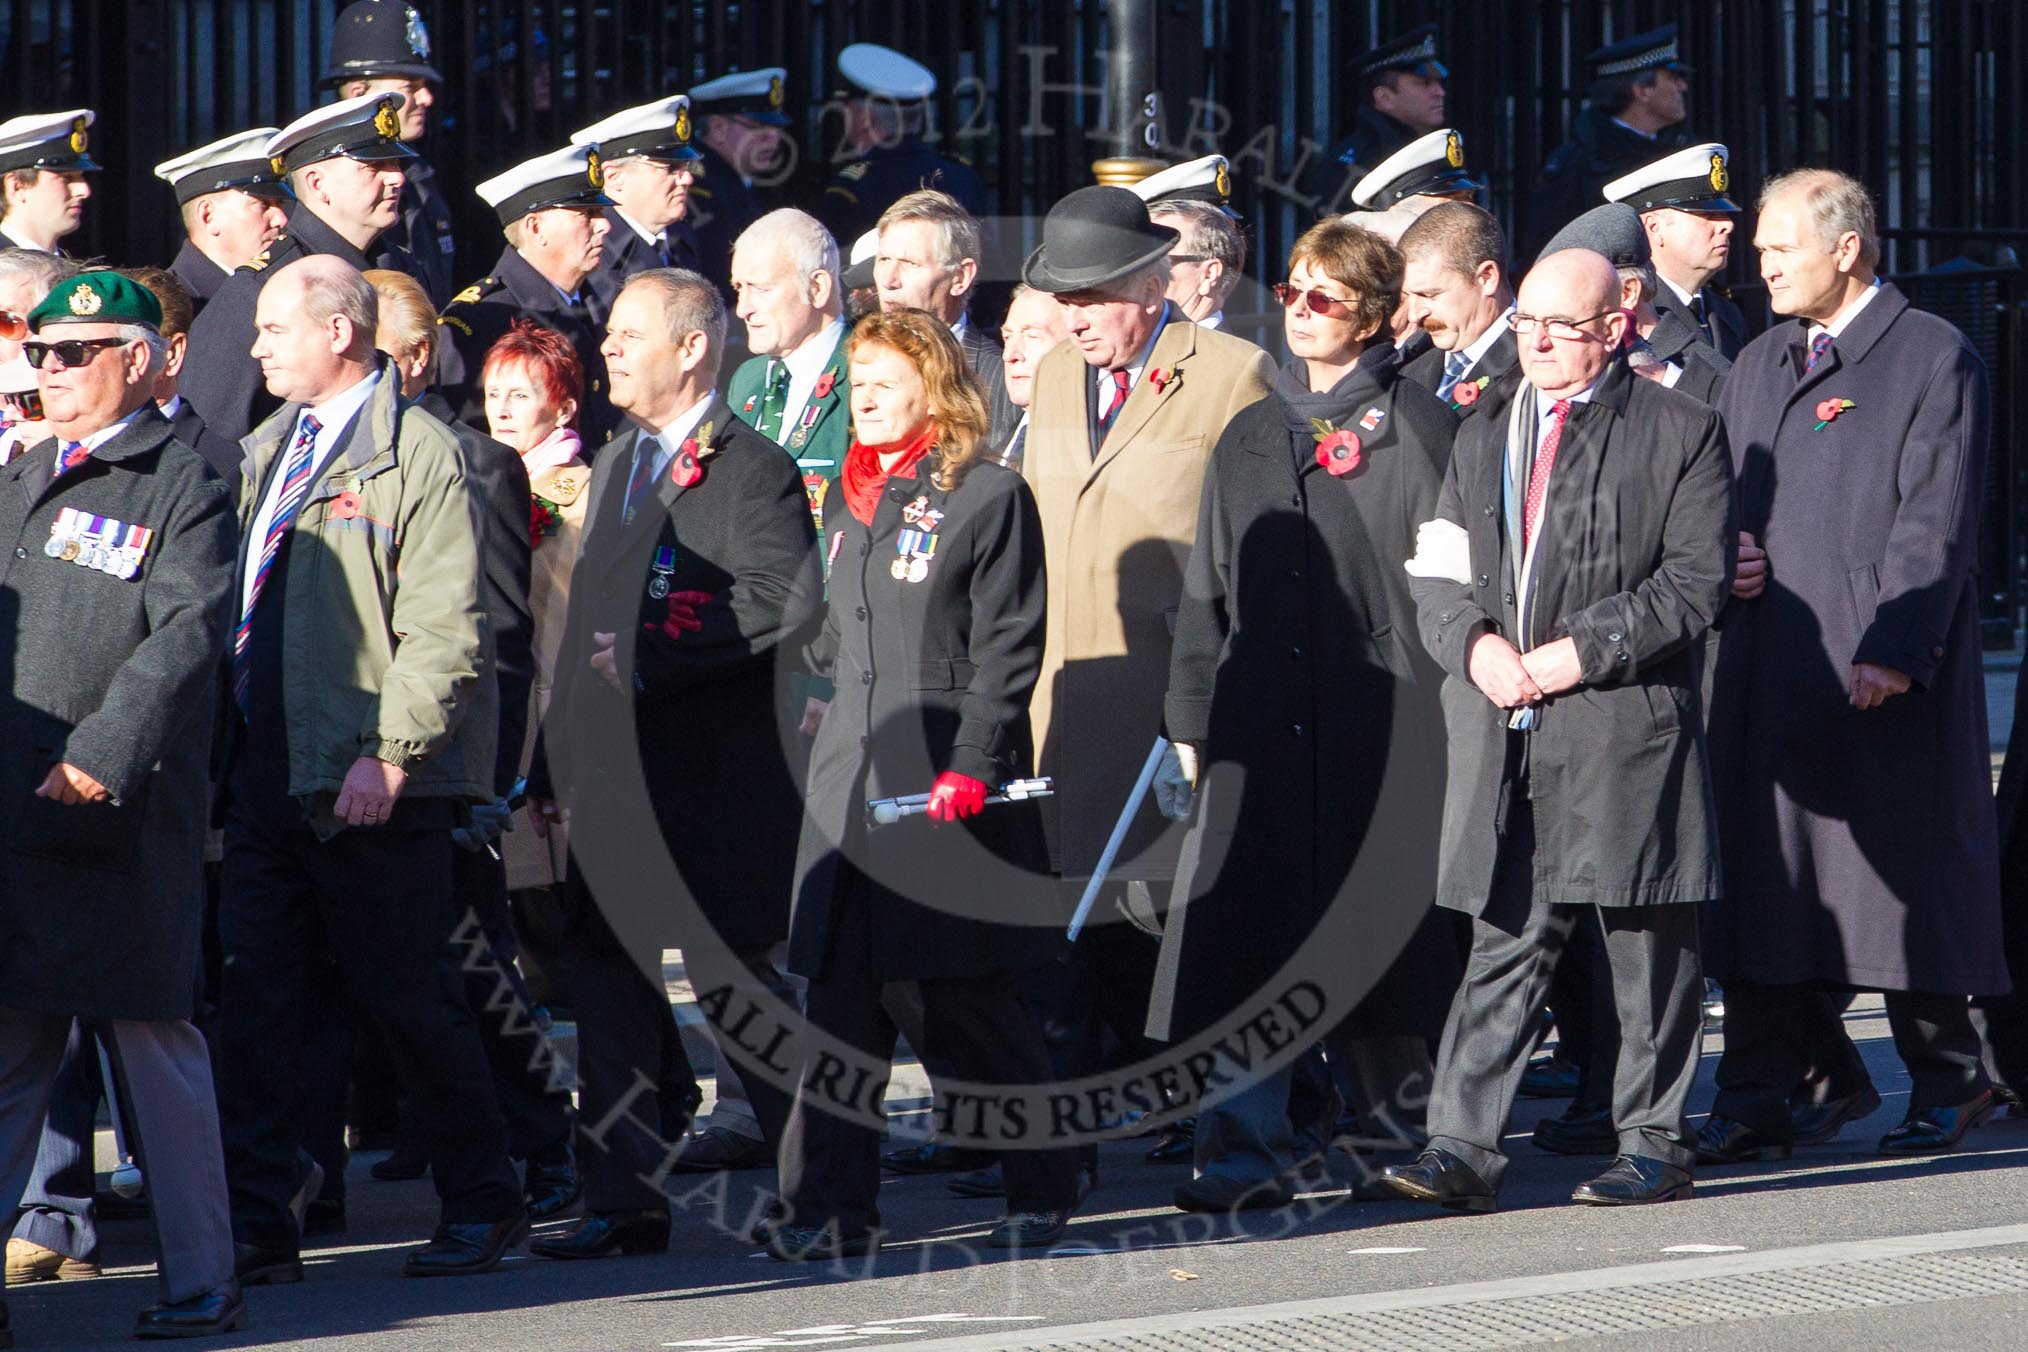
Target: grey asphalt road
pixel 1131 1257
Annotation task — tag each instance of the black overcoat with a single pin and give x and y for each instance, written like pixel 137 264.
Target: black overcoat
pixel 1859 846
pixel 200 276
pixel 705 708
pixel 1728 325
pixel 932 675
pixel 221 379
pixel 1296 664
pixel 1499 369
pixel 102 905
pixel 1633 561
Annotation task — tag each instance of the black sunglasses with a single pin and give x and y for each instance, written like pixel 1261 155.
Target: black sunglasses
pixel 1326 305
pixel 74 352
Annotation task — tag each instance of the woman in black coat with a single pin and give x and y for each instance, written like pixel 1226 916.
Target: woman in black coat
pixel 934 639
pixel 1297 680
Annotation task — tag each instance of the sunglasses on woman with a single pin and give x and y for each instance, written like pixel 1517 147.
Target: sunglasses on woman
pixel 1328 306
pixel 13 327
pixel 75 352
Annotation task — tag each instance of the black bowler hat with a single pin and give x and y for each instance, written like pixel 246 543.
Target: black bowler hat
pixel 380 37
pixel 1094 236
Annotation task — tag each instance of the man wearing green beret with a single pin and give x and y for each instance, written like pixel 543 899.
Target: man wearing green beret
pixel 116 556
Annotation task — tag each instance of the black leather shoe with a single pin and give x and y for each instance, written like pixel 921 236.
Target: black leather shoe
pixel 1933 1131
pixel 602 1234
pixel 401 1166
pixel 1216 1193
pixel 1549 1076
pixel 1441 1177
pixel 462 1250
pixel 715 1149
pixel 986 1182
pixel 551 1185
pixel 259 1265
pixel 1582 1129
pixel 222 1309
pixel 324 1216
pixel 1816 1123
pixel 1177 1141
pixel 934 1157
pixel 810 1244
pixel 1635 1180
pixel 1723 1141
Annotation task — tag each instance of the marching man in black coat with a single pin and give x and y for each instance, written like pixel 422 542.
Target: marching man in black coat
pixel 1460 291
pixel 114 598
pixel 1297 680
pixel 1580 549
pixel 696 577
pixel 1849 712
pixel 934 638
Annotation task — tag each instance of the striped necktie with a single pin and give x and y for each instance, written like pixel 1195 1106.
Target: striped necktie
pixel 1121 380
pixel 1455 366
pixel 288 500
pixel 74 454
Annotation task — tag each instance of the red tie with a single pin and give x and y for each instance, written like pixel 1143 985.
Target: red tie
pixel 1538 477
pixel 1120 382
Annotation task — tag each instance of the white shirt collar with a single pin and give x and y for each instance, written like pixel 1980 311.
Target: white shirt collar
pixel 105 434
pixel 674 434
pixel 1843 319
pixel 1104 378
pixel 171 406
pixel 335 412
pixel 1212 320
pixel 1545 404
pixel 654 237
pixel 807 365
pixel 1644 135
pixel 1685 296
pixel 1476 351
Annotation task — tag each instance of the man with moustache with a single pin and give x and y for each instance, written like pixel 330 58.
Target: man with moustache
pixel 1689 219
pixel 552 210
pixel 234 204
pixel 346 163
pixel 1458 291
pixel 44 158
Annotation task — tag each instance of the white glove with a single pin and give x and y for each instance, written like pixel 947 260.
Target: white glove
pixel 1176 781
pixel 1442 549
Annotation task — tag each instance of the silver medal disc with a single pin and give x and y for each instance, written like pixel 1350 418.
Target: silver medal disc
pixel 659 588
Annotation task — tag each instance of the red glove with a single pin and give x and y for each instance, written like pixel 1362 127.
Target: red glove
pixel 955 796
pixel 682 615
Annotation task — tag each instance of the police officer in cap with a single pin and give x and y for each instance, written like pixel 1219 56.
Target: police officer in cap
pixel 345 162
pixel 234 204
pixel 1401 97
pixel 742 133
pixel 886 110
pixel 44 158
pixel 553 211
pixel 382 47
pixel 1634 112
pixel 649 167
pixel 1689 219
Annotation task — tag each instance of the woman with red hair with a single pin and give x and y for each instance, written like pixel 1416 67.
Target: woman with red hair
pixel 533 385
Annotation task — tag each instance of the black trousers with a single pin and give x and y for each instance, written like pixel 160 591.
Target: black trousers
pixel 979 1026
pixel 1779 1036
pixel 634 1078
pixel 1658 996
pixel 1587 1026
pixel 380 900
pixel 538 1113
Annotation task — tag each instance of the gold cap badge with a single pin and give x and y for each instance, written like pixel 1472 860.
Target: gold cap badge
pixel 385 122
pixel 683 123
pixel 275 163
pixel 594 169
pixel 1454 151
pixel 80 138
pixel 1223 181
pixel 1720 180
pixel 84 300
pixel 775 91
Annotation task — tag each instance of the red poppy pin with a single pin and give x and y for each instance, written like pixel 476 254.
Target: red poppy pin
pixel 1161 378
pixel 345 506
pixel 686 469
pixel 1337 448
pixel 1828 411
pixel 825 384
pixel 1467 392
pixel 543 519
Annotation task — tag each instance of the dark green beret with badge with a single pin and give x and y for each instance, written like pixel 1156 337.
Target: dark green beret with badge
pixel 102 297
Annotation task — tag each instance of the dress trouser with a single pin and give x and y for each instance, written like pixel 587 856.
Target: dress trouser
pixel 163 1075
pixel 1247 1134
pixel 978 1025
pixel 1658 993
pixel 1777 1036
pixel 733 1108
pixel 56 1203
pixel 380 899
pixel 538 1113
pixel 627 1132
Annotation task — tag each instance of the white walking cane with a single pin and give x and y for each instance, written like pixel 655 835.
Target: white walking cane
pixel 126 1178
pixel 1119 835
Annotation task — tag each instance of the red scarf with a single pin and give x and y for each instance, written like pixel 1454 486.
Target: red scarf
pixel 863 478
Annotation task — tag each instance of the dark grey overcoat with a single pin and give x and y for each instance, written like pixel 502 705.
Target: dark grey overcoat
pixel 1859 846
pixel 1634 560
pixel 101 905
